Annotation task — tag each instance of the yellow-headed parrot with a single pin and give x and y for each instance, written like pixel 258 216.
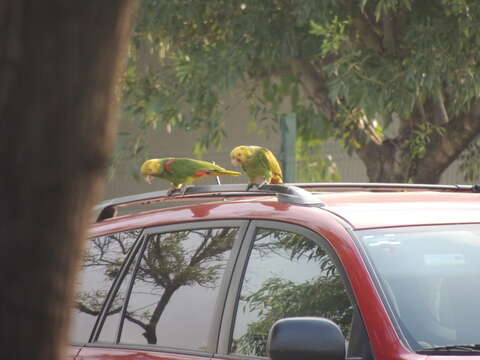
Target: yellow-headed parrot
pixel 181 171
pixel 258 163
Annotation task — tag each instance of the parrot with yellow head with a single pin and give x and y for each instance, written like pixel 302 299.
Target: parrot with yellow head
pixel 259 163
pixel 181 171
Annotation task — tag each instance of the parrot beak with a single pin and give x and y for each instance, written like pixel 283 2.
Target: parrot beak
pixel 149 178
pixel 234 162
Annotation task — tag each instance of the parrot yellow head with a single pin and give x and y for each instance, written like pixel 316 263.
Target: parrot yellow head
pixel 150 169
pixel 240 155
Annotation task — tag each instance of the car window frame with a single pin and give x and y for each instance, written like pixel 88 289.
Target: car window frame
pixel 404 338
pixel 234 291
pixel 214 330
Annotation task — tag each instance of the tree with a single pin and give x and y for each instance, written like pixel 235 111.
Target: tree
pixel 395 81
pixel 60 65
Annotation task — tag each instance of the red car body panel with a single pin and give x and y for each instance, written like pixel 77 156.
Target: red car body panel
pixel 341 210
pixel 367 210
pixel 73 351
pixel 99 353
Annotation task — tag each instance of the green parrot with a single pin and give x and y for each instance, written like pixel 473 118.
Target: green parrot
pixel 181 171
pixel 258 163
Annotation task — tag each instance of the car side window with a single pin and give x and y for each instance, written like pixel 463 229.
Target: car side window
pixel 104 255
pixel 172 302
pixel 287 275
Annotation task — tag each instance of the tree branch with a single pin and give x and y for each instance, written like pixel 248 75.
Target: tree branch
pixel 363 24
pixel 389 40
pixel 461 130
pixel 84 309
pixel 120 244
pixel 135 321
pixel 441 117
pixel 381 161
pixel 313 82
pixel 367 32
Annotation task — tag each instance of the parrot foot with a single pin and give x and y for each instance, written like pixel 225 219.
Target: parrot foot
pixel 262 184
pixel 172 191
pixel 249 186
pixel 183 189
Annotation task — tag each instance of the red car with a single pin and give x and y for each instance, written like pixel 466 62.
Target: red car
pixel 301 271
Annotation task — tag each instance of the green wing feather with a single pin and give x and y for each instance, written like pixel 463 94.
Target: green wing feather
pixel 188 167
pixel 185 170
pixel 268 163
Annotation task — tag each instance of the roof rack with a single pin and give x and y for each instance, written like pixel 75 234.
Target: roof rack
pixel 389 187
pixel 287 194
pixel 293 193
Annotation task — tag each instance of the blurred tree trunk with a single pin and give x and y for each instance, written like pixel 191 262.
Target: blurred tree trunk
pixel 60 61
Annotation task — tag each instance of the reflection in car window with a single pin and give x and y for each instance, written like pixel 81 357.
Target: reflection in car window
pixel 108 333
pixel 287 275
pixel 103 258
pixel 176 286
pixel 430 276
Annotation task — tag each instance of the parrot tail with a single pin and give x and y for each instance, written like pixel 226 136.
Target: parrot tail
pixel 223 172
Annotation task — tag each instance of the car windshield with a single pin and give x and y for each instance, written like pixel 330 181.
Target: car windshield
pixel 430 279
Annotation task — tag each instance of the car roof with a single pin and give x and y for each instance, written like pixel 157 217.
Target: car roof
pixel 390 209
pixel 363 206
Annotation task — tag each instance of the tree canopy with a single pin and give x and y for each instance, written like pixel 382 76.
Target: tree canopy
pixel 395 81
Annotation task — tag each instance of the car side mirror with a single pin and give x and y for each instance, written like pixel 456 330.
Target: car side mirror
pixel 306 338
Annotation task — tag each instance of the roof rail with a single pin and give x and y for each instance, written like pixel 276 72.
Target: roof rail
pixel 389 186
pixel 292 193
pixel 287 194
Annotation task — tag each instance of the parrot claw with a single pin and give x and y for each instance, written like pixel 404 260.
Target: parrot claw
pixel 172 191
pixel 249 186
pixel 262 184
pixel 183 189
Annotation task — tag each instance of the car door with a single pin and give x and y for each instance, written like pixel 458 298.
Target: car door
pixel 285 270
pixel 169 300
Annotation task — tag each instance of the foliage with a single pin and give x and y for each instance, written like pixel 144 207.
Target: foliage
pixel 168 261
pixel 346 69
pixel 470 162
pixel 295 245
pixel 276 299
pixel 311 166
pixel 418 145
